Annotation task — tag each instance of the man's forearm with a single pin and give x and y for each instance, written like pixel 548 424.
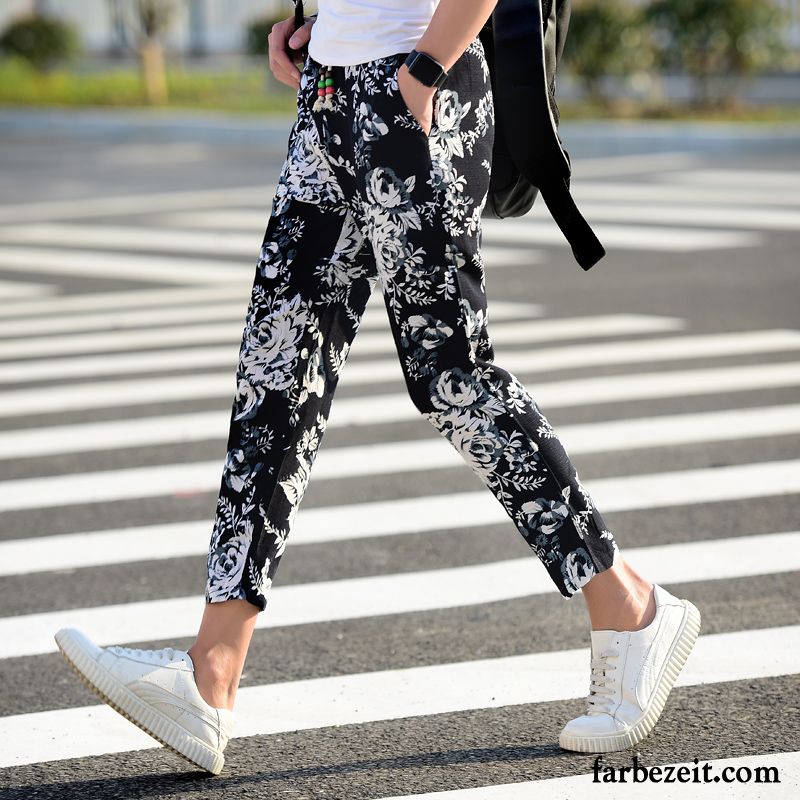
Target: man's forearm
pixel 454 24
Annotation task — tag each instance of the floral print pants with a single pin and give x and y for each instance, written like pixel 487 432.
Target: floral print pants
pixel 365 195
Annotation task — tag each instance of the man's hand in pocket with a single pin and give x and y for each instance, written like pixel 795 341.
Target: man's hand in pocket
pixel 417 96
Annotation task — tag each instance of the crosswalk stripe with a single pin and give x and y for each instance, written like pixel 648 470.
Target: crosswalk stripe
pixel 726 217
pixel 673 429
pixel 588 193
pixel 626 352
pixel 360 698
pixel 97 548
pixel 152 308
pixel 24 289
pixel 95 264
pixel 145 155
pixel 186 538
pixel 14 403
pixel 382 458
pixel 672 782
pixel 127 312
pixel 133 299
pixel 258 196
pixel 379 408
pixel 167 360
pixel 120 341
pixel 128 238
pixel 452 587
pixel 469 509
pixel 739 178
pixel 536 229
pixel 379 458
pixel 637 237
pixel 631 163
pixel 525 231
pixel 523 331
pixel 464 509
pixel 605 389
pixel 126 318
pixel 144 203
pixel 232 245
pixel 122 392
pixel 691 195
pixel 764 479
pixel 179 539
pixel 676 429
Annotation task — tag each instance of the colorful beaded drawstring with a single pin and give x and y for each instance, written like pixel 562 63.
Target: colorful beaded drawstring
pixel 325 88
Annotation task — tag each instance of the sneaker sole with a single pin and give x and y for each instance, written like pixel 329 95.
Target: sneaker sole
pixel 681 647
pixel 121 699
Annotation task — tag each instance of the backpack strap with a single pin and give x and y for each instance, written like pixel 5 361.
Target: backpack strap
pixel 586 247
pixel 299 16
pixel 525 55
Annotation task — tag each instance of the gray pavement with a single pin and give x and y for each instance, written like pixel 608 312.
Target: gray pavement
pixel 74 182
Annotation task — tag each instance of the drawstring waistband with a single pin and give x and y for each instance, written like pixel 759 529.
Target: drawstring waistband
pixel 325 88
pixel 325 84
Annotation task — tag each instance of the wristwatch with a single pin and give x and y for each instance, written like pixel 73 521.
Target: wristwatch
pixel 425 68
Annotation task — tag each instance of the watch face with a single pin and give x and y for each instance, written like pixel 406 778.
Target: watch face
pixel 425 69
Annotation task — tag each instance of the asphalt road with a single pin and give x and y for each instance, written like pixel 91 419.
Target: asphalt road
pixel 126 253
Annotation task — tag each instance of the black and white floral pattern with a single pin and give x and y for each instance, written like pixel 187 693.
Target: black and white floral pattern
pixel 365 196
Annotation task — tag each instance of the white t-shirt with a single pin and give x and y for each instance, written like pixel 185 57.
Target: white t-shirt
pixel 354 31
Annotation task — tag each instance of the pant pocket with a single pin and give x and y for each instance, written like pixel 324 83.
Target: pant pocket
pixel 406 117
pixel 307 90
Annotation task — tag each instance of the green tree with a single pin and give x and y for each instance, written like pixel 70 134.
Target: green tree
pixel 256 45
pixel 256 33
pixel 717 42
pixel 605 37
pixel 40 40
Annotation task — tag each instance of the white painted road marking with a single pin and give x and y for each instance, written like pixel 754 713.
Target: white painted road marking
pixel 402 593
pixel 366 343
pixel 668 429
pixel 15 403
pixel 394 694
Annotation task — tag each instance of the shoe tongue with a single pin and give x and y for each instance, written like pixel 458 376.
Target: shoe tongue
pixel 602 639
pixel 187 658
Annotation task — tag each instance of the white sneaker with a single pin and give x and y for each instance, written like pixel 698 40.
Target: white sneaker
pixel 632 673
pixel 156 690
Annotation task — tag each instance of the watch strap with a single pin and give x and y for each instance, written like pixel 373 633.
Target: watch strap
pixel 425 68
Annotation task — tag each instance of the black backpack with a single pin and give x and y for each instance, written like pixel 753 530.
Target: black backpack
pixel 523 41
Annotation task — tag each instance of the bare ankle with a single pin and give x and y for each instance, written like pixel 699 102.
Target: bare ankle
pixel 217 678
pixel 220 649
pixel 620 599
pixel 641 608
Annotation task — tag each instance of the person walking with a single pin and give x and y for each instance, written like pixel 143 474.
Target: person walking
pixel 385 178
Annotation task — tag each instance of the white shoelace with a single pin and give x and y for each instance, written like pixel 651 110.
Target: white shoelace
pixel 602 687
pixel 163 655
